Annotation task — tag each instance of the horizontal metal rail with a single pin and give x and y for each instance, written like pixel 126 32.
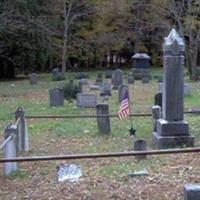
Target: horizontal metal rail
pixel 6 141
pixel 83 116
pixel 100 155
pixel 95 116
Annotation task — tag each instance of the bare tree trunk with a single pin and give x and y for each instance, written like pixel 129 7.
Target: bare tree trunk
pixel 66 27
pixel 138 38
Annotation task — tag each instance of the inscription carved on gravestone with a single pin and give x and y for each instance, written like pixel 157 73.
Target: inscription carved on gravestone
pixel 85 100
pixel 117 78
pixel 172 130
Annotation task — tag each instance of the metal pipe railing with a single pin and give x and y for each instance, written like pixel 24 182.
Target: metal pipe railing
pixel 6 141
pixel 17 121
pixel 100 155
pixel 95 116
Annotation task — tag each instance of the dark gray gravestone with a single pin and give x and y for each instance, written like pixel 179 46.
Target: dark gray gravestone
pixel 22 130
pixel 172 130
pixel 192 192
pixel 33 78
pixel 130 78
pixel 83 81
pixel 140 73
pixel 56 97
pixel 122 91
pixel 86 100
pixel 140 145
pixel 106 89
pixel 80 86
pixel 117 78
pixel 145 80
pixel 141 60
pixel 108 73
pixel 99 79
pixel 158 99
pixel 80 75
pixel 56 74
pixel 156 114
pixel 103 123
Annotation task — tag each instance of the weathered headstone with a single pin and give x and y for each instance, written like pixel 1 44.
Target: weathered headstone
pixel 83 81
pixel 94 87
pixel 99 79
pixel 108 73
pixel 140 73
pixel 56 74
pixel 103 122
pixel 122 91
pixel 187 89
pixel 33 78
pixel 80 75
pixel 156 114
pixel 85 100
pixel 22 130
pixel 192 192
pixel 172 130
pixel 130 78
pixel 145 80
pixel 106 89
pixel 56 97
pixel 117 78
pixel 140 145
pixel 158 99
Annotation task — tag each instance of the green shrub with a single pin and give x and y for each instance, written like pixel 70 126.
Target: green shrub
pixel 71 89
pixel 60 77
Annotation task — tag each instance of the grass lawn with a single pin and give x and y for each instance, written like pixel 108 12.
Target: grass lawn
pixel 103 178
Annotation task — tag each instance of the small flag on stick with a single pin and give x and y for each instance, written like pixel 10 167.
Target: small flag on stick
pixel 124 107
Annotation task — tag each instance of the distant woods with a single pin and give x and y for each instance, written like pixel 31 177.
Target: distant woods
pixel 36 36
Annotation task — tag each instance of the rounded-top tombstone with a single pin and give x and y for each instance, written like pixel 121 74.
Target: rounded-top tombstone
pixel 33 79
pixel 56 97
pixel 117 78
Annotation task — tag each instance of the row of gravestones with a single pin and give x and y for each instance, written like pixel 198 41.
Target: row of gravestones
pixel 84 100
pixel 116 76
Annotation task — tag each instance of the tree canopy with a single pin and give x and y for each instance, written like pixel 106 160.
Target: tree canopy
pixel 36 36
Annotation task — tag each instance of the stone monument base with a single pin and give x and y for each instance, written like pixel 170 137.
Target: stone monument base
pixel 172 128
pixel 164 142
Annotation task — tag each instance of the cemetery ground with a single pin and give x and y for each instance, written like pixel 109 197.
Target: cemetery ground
pixel 102 178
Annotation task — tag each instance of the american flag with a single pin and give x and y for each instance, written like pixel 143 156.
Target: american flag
pixel 124 107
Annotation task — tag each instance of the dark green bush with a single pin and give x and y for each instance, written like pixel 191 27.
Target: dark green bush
pixel 59 77
pixel 71 90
